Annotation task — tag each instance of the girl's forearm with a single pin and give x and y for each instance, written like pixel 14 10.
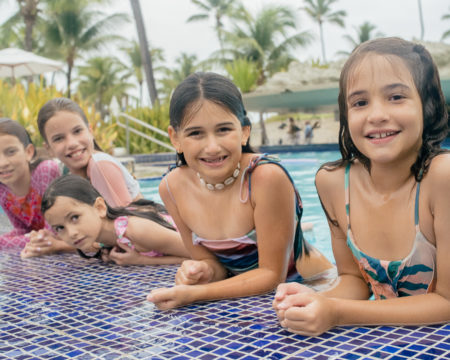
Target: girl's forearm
pixel 411 310
pixel 253 282
pixel 348 287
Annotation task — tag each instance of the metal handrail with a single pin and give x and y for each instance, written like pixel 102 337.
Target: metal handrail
pixel 128 129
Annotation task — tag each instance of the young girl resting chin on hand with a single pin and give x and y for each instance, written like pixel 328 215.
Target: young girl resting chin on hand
pixel 81 218
pixel 238 212
pixel 23 180
pixel 390 222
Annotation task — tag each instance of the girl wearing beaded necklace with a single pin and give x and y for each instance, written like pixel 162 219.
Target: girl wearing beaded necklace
pixel 239 221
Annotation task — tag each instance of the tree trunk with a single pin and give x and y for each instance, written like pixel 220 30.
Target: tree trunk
pixel 28 10
pixel 69 79
pixel 323 43
pixel 422 28
pixel 264 138
pixel 145 54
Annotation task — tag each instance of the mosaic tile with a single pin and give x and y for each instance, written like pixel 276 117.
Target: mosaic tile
pixel 64 307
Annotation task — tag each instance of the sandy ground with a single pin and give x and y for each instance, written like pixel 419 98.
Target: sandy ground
pixel 326 133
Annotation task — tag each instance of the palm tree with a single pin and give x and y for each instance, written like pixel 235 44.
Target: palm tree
pixel 364 32
pixel 447 33
pixel 101 79
pixel 219 10
pixel 10 33
pixel 320 11
pixel 264 39
pixel 186 65
pixel 134 56
pixel 145 54
pixel 422 28
pixel 73 28
pixel 28 10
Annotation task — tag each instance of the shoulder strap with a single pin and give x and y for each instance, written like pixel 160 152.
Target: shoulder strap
pixel 299 242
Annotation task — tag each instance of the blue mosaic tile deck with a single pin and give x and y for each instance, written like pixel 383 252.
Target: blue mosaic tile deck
pixel 64 307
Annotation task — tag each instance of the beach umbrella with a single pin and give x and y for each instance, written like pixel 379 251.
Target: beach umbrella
pixel 17 62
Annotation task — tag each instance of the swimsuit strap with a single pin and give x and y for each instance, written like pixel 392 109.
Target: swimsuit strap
pixel 347 193
pixel 416 206
pixel 347 198
pixel 268 159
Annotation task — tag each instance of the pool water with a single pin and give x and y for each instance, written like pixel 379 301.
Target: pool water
pixel 303 167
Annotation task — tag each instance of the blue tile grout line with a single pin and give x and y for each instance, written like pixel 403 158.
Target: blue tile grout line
pixel 65 307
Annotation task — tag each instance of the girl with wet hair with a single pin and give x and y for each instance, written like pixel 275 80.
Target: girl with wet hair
pixel 238 212
pixel 390 222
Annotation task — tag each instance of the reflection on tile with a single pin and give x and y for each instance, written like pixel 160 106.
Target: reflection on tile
pixel 64 307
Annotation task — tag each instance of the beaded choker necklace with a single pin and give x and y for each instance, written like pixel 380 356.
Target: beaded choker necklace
pixel 220 186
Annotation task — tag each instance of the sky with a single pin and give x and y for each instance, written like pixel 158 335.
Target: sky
pixel 166 26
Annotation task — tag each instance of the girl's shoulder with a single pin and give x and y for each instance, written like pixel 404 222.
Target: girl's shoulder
pixel 331 177
pixel 264 169
pixel 439 171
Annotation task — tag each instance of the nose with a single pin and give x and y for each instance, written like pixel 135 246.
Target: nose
pixel 377 112
pixel 212 145
pixel 72 232
pixel 71 141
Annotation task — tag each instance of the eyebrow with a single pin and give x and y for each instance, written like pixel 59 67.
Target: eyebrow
pixel 193 128
pixel 385 88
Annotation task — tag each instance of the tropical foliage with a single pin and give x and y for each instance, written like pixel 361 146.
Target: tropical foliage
pixel 265 39
pixel 101 79
pixel 218 9
pixel 320 11
pixel 252 47
pixel 364 32
pixel 446 34
pixel 158 116
pixel 23 104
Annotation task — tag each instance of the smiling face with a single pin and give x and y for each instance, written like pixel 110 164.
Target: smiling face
pixel 15 164
pixel 70 140
pixel 211 140
pixel 76 223
pixel 384 110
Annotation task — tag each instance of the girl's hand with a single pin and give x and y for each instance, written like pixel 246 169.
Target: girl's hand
pixel 307 313
pixel 193 272
pixel 169 298
pixel 285 290
pixel 122 254
pixel 43 242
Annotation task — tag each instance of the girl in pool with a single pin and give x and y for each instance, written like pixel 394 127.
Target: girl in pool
pixel 238 212
pixel 80 217
pixel 65 129
pixel 390 222
pixel 23 180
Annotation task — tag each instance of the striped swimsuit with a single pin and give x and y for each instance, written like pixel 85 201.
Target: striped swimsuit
pixel 240 254
pixel 413 275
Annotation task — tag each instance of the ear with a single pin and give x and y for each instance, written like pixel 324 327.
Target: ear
pixel 246 130
pixel 30 151
pixel 100 206
pixel 174 139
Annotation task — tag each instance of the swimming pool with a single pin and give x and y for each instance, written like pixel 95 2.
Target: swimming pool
pixel 302 166
pixel 65 307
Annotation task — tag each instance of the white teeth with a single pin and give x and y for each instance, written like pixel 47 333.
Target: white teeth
pixel 381 135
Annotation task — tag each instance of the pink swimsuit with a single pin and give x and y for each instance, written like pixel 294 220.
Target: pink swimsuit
pixel 120 225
